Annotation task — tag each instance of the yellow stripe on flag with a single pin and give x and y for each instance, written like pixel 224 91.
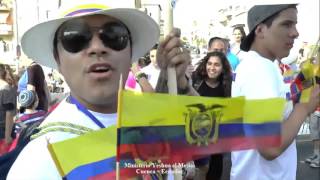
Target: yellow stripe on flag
pixel 152 109
pixel 85 149
pixel 264 110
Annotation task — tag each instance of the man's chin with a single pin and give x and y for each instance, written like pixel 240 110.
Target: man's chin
pixel 105 99
pixel 104 104
pixel 284 56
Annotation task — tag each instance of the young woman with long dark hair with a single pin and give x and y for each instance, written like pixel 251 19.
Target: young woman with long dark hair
pixel 213 78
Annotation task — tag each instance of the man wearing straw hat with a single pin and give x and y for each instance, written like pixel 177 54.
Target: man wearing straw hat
pixel 272 34
pixel 92 45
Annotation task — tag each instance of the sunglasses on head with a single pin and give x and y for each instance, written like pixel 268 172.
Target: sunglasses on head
pixel 76 35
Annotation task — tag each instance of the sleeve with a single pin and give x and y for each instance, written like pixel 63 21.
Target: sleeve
pixel 9 99
pixel 35 155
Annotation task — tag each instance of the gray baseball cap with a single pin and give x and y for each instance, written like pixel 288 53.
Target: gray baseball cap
pixel 256 15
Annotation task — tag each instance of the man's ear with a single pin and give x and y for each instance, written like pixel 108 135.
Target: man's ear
pixel 259 31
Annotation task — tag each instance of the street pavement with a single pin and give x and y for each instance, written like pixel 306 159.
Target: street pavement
pixel 304 149
pixel 304 171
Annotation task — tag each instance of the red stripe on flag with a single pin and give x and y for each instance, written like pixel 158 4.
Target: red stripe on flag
pixel 179 152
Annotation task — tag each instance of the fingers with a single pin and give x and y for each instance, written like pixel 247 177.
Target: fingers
pixel 314 100
pixel 170 53
pixel 170 41
pixel 174 42
pixel 168 48
pixel 180 57
pixel 174 52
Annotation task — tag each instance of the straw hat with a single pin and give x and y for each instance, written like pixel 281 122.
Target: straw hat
pixel 37 42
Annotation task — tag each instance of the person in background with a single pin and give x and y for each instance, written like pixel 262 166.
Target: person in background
pixel 141 79
pixel 33 79
pixel 147 77
pixel 144 61
pixel 10 78
pixel 152 70
pixel 222 45
pixel 314 158
pixel 238 34
pixel 25 125
pixel 137 80
pixel 7 110
pixel 28 100
pixel 272 32
pixel 213 78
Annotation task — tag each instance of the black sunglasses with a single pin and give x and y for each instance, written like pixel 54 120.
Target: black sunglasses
pixel 76 35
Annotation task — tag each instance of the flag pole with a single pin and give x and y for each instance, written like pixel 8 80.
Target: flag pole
pixel 118 127
pixel 172 75
pixel 168 25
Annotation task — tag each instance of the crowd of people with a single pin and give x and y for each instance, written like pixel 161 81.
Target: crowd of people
pixel 212 77
pixel 92 50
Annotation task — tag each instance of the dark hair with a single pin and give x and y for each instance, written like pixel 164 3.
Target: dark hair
pixel 155 47
pixel 3 72
pixel 36 78
pixel 10 78
pixel 225 77
pixel 213 39
pixel 243 33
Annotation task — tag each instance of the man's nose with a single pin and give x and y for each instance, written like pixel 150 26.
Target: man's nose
pixel 96 46
pixel 294 32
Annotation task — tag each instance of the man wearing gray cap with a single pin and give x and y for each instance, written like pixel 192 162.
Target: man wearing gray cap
pixel 272 34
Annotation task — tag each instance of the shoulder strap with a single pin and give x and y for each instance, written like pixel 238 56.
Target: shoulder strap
pixel 61 127
pixel 197 83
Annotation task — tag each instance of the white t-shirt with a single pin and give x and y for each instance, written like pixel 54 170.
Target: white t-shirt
pixel 153 74
pixel 258 78
pixel 35 162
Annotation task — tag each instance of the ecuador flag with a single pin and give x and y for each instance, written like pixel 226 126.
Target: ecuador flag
pixel 168 129
pixel 177 129
pixel 302 85
pixel 90 156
